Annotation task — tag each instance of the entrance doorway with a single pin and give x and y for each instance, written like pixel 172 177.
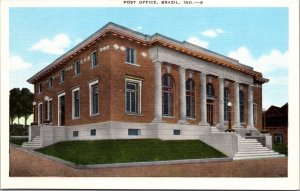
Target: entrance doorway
pixel 40 113
pixel 210 112
pixel 61 110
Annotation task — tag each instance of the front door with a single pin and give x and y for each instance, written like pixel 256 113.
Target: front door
pixel 62 110
pixel 210 112
pixel 40 113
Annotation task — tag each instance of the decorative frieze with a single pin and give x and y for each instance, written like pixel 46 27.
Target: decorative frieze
pixel 144 54
pixel 116 46
pixel 122 48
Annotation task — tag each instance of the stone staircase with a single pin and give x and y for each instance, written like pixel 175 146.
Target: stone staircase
pixel 213 129
pixel 252 149
pixel 33 144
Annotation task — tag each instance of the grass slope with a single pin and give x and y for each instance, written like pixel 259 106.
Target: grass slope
pixel 122 151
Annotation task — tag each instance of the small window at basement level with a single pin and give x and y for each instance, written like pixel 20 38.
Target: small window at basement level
pixel 176 132
pixel 75 133
pixel 134 132
pixel 93 132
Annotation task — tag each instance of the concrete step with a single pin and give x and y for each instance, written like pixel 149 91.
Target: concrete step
pixel 248 141
pixel 256 152
pixel 258 157
pixel 33 144
pixel 255 149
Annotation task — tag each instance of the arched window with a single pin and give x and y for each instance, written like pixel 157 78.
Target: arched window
pixel 168 95
pixel 226 100
pixel 190 98
pixel 209 90
pixel 242 106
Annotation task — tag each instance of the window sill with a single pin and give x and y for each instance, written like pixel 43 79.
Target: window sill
pixel 191 118
pixel 75 118
pixel 94 67
pixel 75 75
pixel 134 114
pixel 62 82
pixel 171 117
pixel 133 64
pixel 94 114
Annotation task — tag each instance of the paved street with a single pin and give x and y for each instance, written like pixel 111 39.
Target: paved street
pixel 26 164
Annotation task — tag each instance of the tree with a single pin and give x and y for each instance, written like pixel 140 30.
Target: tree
pixel 20 104
pixel 14 104
pixel 26 100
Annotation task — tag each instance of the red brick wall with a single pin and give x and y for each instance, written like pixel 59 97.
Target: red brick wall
pixel 111 71
pixel 257 98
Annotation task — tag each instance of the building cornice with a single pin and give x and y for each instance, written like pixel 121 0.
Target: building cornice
pixel 146 40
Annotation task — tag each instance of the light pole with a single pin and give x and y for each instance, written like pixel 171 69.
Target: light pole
pixel 229 118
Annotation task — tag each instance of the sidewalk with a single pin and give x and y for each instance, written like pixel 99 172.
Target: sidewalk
pixel 26 164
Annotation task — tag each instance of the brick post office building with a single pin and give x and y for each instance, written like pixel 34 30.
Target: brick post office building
pixel 120 84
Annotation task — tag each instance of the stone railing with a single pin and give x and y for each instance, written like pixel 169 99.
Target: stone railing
pixel 33 130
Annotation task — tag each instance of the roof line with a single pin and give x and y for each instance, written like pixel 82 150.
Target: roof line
pixel 143 37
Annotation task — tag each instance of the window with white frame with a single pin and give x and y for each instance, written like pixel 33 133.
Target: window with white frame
pixel 168 95
pixel 62 75
pixel 255 114
pixel 94 97
pixel 40 87
pixel 226 100
pixel 76 103
pixel 190 98
pixel 40 113
pixel 242 107
pixel 50 82
pixel 94 59
pixel 49 110
pixel 130 55
pixel 133 95
pixel 77 67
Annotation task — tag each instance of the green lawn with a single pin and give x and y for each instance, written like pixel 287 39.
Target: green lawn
pixel 18 141
pixel 122 151
pixel 280 148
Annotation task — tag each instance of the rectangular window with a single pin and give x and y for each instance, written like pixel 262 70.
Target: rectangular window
pixel 40 113
pixel 133 96
pixel 93 132
pixel 130 55
pixel 62 76
pixel 176 132
pixel 50 110
pixel 278 138
pixel 255 114
pixel 94 98
pixel 40 87
pixel 50 82
pixel 77 67
pixel 75 133
pixel 76 103
pixel 94 59
pixel 134 132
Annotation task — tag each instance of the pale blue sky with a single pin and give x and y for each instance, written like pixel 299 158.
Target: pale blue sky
pixel 258 37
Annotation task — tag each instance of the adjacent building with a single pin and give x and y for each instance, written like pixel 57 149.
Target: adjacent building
pixel 119 83
pixel 275 121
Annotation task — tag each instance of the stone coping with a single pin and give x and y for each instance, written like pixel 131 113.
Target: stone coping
pixel 130 164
